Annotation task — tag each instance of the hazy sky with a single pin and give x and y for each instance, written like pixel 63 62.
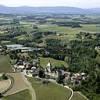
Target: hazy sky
pixel 74 3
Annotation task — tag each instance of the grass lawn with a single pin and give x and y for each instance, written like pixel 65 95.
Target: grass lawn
pixel 24 95
pixel 54 62
pixel 50 91
pixel 5 65
pixel 77 96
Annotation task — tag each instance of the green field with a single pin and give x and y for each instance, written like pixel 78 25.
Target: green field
pixel 50 91
pixel 77 96
pixel 54 62
pixel 91 27
pixel 68 33
pixel 5 65
pixel 59 29
pixel 69 30
pixel 24 95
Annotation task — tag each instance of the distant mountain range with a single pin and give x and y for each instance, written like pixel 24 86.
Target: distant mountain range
pixel 56 10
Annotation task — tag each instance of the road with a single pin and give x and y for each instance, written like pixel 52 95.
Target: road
pixel 32 91
pixel 71 92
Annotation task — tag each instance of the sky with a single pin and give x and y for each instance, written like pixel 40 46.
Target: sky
pixel 34 3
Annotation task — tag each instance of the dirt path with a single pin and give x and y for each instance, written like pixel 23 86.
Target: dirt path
pixel 32 91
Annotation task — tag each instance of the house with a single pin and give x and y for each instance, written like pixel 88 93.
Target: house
pixel 76 78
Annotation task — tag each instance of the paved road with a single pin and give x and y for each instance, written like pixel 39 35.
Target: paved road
pixel 32 91
pixel 71 92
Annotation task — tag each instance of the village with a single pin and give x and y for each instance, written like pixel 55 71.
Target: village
pixel 33 69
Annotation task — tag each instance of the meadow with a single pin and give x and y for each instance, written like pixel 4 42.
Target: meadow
pixel 77 96
pixel 23 95
pixel 68 33
pixel 54 62
pixel 5 65
pixel 50 91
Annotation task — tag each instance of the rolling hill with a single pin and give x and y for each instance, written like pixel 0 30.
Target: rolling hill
pixel 57 10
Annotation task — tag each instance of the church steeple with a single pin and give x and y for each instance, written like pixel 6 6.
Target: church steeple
pixel 49 66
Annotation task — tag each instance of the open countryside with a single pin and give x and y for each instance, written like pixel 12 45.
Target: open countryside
pixel 49 53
